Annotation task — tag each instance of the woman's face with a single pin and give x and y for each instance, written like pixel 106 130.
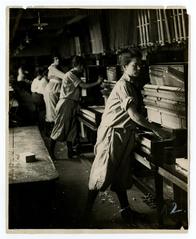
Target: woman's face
pixel 133 68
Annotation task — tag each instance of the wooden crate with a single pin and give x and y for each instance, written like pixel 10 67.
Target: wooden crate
pixel 173 105
pixel 165 92
pixel 166 118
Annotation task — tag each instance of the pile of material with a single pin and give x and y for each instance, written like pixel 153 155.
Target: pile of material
pixel 164 98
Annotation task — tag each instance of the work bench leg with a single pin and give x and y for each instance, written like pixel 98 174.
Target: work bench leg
pixel 159 197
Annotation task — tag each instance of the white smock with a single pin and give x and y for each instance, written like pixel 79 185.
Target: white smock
pixel 115 140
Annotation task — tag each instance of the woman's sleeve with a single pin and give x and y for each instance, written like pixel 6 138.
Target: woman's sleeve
pixel 34 86
pixel 126 96
pixel 75 80
pixel 53 71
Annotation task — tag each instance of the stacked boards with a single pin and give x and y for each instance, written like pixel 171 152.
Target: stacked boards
pixel 164 98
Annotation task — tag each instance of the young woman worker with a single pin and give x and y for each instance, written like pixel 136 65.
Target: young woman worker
pixel 51 94
pixel 116 135
pixel 65 126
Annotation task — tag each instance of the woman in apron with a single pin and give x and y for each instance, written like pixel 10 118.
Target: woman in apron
pixel 116 137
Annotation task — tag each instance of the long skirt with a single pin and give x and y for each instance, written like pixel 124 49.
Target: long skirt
pixel 38 100
pixel 113 162
pixel 65 126
pixel 51 97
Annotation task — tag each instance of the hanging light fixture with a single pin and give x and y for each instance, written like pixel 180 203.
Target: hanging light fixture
pixel 21 46
pixel 40 26
pixel 27 39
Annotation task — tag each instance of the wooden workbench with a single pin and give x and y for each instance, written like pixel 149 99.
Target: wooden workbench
pixel 171 174
pixel 28 139
pixel 91 116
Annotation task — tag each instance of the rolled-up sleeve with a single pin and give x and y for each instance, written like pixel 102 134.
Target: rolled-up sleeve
pixel 75 80
pixel 126 96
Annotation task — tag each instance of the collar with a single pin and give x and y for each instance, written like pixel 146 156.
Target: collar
pixel 127 78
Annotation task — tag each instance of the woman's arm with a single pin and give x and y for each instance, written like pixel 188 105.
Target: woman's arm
pixel 53 71
pixel 142 121
pixel 34 86
pixel 90 85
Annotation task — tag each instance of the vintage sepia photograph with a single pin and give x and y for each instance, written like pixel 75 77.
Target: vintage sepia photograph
pixel 98 119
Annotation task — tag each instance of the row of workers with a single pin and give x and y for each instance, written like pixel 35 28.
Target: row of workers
pixel 61 100
pixel 116 132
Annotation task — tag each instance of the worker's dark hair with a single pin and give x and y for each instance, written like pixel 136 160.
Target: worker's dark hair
pixel 39 71
pixel 126 55
pixel 78 60
pixel 55 55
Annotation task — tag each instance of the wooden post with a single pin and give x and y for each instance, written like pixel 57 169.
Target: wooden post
pixel 159 196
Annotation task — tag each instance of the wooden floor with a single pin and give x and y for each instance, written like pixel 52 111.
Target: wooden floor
pixel 60 204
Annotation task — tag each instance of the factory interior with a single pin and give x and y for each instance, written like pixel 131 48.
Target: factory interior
pixel 49 178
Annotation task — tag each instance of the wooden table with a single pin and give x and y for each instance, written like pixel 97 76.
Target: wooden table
pixel 28 139
pixel 91 116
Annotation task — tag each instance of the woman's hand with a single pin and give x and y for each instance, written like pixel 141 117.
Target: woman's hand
pixel 161 134
pixel 100 80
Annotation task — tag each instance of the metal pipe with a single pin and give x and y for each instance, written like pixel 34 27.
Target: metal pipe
pixel 175 25
pixel 166 26
pixel 161 27
pixel 140 28
pixel 158 26
pixel 183 25
pixel 151 37
pixel 179 25
pixel 143 27
pixel 146 24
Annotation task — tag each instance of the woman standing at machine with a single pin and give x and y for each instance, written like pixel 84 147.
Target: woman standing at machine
pixel 116 137
pixel 65 127
pixel 51 94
